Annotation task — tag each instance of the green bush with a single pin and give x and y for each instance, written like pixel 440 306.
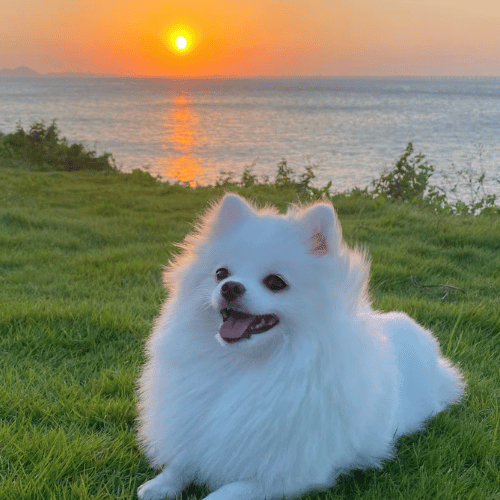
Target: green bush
pixel 408 181
pixel 43 147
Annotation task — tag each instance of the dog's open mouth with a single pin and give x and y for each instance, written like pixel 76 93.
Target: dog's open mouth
pixel 237 325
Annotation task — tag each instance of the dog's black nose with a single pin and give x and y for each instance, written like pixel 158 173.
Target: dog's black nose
pixel 232 290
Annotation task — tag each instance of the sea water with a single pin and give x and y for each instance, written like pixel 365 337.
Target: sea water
pixel 348 129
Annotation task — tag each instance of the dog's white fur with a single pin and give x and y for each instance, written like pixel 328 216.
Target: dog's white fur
pixel 331 387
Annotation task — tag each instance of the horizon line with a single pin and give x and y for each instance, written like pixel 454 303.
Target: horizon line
pixel 4 72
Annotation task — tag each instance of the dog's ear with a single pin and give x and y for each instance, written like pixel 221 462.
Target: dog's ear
pixel 321 229
pixel 229 213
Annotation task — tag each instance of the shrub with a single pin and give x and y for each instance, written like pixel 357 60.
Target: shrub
pixel 303 186
pixel 43 147
pixel 248 178
pixel 283 174
pixel 409 180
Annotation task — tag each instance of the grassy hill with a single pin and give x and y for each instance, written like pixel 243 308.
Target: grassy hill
pixel 81 257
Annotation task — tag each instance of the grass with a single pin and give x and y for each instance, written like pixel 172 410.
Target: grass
pixel 81 256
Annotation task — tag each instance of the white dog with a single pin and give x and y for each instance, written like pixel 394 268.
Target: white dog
pixel 268 372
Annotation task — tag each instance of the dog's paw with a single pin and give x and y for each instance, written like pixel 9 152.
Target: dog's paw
pixel 156 489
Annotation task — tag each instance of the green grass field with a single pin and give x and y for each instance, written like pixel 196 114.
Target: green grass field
pixel 81 257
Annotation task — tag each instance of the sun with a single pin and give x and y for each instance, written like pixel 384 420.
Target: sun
pixel 181 42
pixel 180 39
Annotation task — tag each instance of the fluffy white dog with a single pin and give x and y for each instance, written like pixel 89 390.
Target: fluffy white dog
pixel 268 372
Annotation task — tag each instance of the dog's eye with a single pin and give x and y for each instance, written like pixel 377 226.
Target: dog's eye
pixel 221 274
pixel 275 283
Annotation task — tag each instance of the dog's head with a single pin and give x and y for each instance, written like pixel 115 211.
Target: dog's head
pixel 270 271
pixel 267 275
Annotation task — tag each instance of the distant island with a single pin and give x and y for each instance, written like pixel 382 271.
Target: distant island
pixel 20 71
pixel 24 71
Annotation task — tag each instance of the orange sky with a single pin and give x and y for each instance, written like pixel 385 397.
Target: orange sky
pixel 254 37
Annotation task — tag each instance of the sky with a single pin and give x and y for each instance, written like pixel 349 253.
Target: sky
pixel 253 37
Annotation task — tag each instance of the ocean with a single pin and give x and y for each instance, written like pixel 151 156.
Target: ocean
pixel 348 129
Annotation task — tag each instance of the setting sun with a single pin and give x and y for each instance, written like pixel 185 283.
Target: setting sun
pixel 181 42
pixel 181 39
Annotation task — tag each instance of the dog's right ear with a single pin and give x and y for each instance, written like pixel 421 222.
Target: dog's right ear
pixel 321 229
pixel 229 213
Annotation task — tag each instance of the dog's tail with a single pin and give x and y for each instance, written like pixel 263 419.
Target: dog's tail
pixel 452 386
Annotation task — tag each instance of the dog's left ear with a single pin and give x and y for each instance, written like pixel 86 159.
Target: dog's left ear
pixel 321 229
pixel 229 213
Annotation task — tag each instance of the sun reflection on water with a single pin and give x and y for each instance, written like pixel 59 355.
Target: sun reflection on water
pixel 182 141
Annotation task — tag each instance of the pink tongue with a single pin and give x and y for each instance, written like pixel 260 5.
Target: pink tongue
pixel 235 326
